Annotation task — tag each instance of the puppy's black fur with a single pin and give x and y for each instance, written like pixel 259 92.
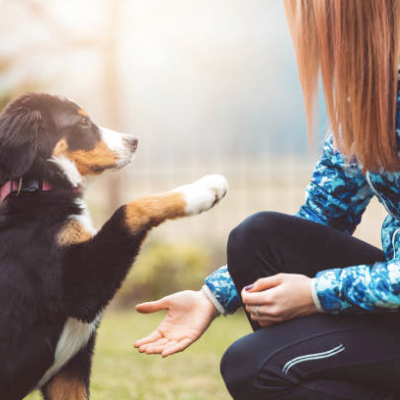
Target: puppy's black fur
pixel 42 284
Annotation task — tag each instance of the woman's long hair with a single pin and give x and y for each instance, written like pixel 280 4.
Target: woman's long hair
pixel 355 46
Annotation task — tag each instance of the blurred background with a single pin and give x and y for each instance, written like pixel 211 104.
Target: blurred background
pixel 207 86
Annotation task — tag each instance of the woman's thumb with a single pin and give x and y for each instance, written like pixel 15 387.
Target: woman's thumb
pixel 152 306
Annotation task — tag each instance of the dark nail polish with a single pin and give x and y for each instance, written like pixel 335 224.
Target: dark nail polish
pixel 249 287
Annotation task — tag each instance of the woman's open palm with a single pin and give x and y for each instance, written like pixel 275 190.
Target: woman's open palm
pixel 189 313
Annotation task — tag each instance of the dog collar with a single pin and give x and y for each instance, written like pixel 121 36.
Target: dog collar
pixel 19 185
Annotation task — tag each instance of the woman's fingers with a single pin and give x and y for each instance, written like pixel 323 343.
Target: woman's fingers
pixel 268 295
pixel 264 315
pixel 153 337
pixel 260 286
pixel 158 348
pixel 258 309
pixel 254 309
pixel 175 348
pixel 153 345
pixel 255 298
pixel 261 312
pixel 267 282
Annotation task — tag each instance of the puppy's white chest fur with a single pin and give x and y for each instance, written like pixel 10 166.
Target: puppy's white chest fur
pixel 73 338
pixel 84 217
pixel 75 334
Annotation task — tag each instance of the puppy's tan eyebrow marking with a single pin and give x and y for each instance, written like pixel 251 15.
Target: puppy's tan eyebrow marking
pixel 60 148
pixel 83 112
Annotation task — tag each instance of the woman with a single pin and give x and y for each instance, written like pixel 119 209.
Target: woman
pixel 324 306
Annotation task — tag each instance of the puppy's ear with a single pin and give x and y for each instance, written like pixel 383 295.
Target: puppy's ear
pixel 21 128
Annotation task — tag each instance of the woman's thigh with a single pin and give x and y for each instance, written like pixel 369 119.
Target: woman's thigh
pixel 268 243
pixel 317 357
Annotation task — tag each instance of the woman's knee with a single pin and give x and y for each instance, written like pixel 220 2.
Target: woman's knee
pixel 251 367
pixel 245 238
pixel 238 370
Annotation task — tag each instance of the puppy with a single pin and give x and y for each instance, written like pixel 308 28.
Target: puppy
pixel 57 274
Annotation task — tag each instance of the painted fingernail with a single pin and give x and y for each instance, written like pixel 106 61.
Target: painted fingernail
pixel 249 287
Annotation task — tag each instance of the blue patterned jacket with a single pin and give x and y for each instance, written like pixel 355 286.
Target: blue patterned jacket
pixel 337 196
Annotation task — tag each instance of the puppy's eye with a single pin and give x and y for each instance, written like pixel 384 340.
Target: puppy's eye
pixel 85 122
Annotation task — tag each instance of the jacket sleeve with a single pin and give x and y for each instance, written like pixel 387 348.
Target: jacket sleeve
pixel 222 289
pixel 338 192
pixel 360 289
pixel 337 196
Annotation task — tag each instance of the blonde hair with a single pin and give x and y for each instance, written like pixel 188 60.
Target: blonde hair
pixel 354 45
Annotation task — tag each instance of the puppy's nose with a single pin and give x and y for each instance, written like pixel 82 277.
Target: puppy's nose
pixel 132 143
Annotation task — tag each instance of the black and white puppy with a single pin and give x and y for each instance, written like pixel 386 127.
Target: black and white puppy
pixel 56 272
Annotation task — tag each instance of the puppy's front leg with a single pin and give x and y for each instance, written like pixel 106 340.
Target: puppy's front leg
pixel 96 268
pixel 150 211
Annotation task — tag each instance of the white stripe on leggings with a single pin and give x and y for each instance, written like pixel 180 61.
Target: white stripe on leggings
pixel 315 356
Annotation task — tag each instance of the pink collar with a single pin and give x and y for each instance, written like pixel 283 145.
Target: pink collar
pixel 16 186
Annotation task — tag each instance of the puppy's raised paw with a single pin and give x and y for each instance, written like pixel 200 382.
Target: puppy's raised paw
pixel 204 193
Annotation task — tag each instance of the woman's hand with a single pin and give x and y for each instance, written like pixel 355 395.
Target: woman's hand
pixel 279 298
pixel 189 315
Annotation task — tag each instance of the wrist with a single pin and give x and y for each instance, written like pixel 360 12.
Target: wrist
pixel 306 299
pixel 215 308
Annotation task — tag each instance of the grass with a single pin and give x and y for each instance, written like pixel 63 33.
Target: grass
pixel 121 373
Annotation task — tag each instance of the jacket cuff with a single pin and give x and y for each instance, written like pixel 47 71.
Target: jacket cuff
pixel 221 310
pixel 315 297
pixel 223 289
pixel 328 288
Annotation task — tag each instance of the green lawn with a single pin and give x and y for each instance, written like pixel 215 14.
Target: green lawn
pixel 121 373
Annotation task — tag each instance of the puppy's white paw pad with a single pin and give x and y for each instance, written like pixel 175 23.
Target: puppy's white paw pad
pixel 203 194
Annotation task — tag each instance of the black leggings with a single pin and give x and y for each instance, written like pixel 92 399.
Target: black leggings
pixel 319 356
